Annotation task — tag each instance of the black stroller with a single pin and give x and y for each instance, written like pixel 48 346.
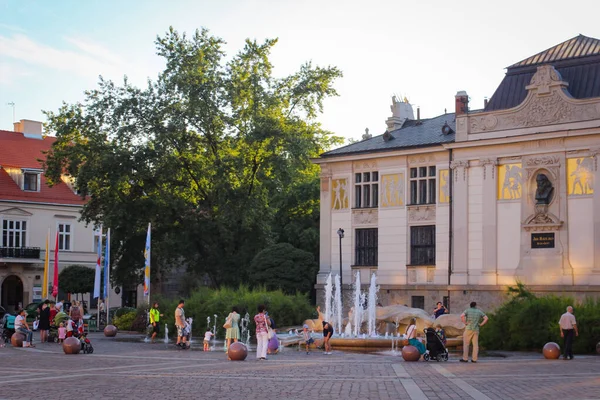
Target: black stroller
pixel 435 347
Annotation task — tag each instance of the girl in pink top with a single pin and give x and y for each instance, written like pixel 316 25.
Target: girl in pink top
pixel 62 332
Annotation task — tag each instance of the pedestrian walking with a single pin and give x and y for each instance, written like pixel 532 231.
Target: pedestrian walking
pixel 154 320
pixel 262 336
pixel 568 328
pixel 180 325
pixel 473 318
pixel 233 328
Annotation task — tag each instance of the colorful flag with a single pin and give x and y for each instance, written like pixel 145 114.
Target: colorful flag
pixel 98 266
pixel 106 265
pixel 55 278
pixel 147 265
pixel 46 267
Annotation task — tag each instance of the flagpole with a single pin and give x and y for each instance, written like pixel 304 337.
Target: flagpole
pixel 107 275
pixel 147 252
pixel 46 266
pixel 55 274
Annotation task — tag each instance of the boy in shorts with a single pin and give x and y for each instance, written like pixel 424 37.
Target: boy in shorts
pixel 307 338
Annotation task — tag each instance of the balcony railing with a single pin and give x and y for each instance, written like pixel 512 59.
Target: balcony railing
pixel 19 252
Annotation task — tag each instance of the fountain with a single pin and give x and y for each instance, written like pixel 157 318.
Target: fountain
pixel 338 305
pixel 246 329
pixel 372 306
pixel 358 305
pixel 166 334
pixel 214 346
pixel 328 298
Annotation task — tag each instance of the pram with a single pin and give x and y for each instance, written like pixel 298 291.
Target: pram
pixel 78 332
pixel 435 347
pixel 7 327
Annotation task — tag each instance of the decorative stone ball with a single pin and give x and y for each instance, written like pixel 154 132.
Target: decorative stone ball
pixel 110 331
pixel 237 351
pixel 17 339
pixel 598 348
pixel 551 351
pixel 273 343
pixel 71 345
pixel 410 353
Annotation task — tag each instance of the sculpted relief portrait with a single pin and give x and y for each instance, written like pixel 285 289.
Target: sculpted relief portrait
pixel 339 199
pixel 510 181
pixel 392 190
pixel 580 176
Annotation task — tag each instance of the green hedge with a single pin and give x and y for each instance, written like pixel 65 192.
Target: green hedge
pixel 286 310
pixel 125 321
pixel 527 322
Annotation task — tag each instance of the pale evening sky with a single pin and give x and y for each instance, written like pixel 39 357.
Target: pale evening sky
pixel 51 51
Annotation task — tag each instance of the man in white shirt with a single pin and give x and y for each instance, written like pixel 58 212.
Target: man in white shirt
pixel 568 327
pixel 21 326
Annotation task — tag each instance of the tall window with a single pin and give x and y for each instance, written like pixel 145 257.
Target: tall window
pixel 422 245
pixel 30 182
pixel 366 189
pixel 14 233
pixel 422 185
pixel 366 247
pixel 64 236
pixel 417 302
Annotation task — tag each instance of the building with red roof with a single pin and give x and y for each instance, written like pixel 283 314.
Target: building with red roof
pixel 31 211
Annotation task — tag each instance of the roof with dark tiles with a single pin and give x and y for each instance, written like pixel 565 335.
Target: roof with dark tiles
pixel 577 60
pixel 18 151
pixel 423 133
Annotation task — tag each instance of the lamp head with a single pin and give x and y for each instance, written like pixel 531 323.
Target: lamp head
pixel 340 233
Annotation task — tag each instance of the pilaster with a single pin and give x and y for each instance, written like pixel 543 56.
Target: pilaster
pixel 460 205
pixel 490 230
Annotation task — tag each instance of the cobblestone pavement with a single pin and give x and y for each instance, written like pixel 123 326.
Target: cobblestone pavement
pixel 135 370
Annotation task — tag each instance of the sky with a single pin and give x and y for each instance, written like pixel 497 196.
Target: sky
pixel 52 51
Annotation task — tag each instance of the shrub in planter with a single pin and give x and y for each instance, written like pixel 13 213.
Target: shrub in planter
pixel 125 321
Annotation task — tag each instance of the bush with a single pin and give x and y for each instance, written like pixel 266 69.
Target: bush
pixel 527 322
pixel 285 309
pixel 125 321
pixel 123 310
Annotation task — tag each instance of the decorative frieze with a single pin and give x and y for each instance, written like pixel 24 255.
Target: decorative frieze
pixel 365 217
pixel 421 213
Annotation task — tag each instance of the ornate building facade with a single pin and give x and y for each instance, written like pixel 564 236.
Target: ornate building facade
pixel 457 207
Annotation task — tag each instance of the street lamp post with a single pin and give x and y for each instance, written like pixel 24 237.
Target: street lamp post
pixel 340 233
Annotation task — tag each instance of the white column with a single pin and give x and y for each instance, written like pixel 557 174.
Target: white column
pixel 490 231
pixel 460 235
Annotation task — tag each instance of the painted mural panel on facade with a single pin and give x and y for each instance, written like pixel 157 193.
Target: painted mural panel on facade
pixel 392 190
pixel 339 200
pixel 580 176
pixel 444 189
pixel 510 181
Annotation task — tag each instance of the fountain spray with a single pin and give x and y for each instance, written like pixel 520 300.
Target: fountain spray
pixel 328 297
pixel 338 305
pixel 214 346
pixel 372 306
pixel 358 305
pixel 166 334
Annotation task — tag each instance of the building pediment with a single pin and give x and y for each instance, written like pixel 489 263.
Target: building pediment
pixel 548 102
pixel 15 211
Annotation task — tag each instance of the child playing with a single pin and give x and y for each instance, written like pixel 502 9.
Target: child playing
pixel 307 338
pixel 207 337
pixel 62 332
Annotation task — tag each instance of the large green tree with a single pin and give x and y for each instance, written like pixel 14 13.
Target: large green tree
pixel 215 153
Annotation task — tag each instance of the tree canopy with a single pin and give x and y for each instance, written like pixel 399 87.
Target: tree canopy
pixel 76 279
pixel 215 153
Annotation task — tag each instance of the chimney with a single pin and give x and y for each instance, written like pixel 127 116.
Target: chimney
pixel 401 111
pixel 29 129
pixel 485 102
pixel 462 103
pixel 419 116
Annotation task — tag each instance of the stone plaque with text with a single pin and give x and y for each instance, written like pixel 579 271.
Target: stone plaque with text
pixel 542 240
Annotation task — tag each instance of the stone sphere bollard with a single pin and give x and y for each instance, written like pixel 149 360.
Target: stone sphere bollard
pixel 410 353
pixel 551 351
pixel 110 331
pixel 238 351
pixel 71 345
pixel 17 339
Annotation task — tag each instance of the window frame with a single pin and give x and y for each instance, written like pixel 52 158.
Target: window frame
pixel 422 183
pixel 366 198
pixel 23 235
pixel 63 235
pixel 418 249
pixel 366 247
pixel 33 176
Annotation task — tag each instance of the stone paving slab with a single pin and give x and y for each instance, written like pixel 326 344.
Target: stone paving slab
pixel 133 370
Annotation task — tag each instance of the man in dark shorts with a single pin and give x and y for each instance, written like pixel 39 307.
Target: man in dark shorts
pixel 327 334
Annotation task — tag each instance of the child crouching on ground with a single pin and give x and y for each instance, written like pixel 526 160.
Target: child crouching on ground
pixel 207 337
pixel 307 337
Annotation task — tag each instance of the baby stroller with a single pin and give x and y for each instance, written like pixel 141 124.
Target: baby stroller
pixel 435 347
pixel 7 327
pixel 86 345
